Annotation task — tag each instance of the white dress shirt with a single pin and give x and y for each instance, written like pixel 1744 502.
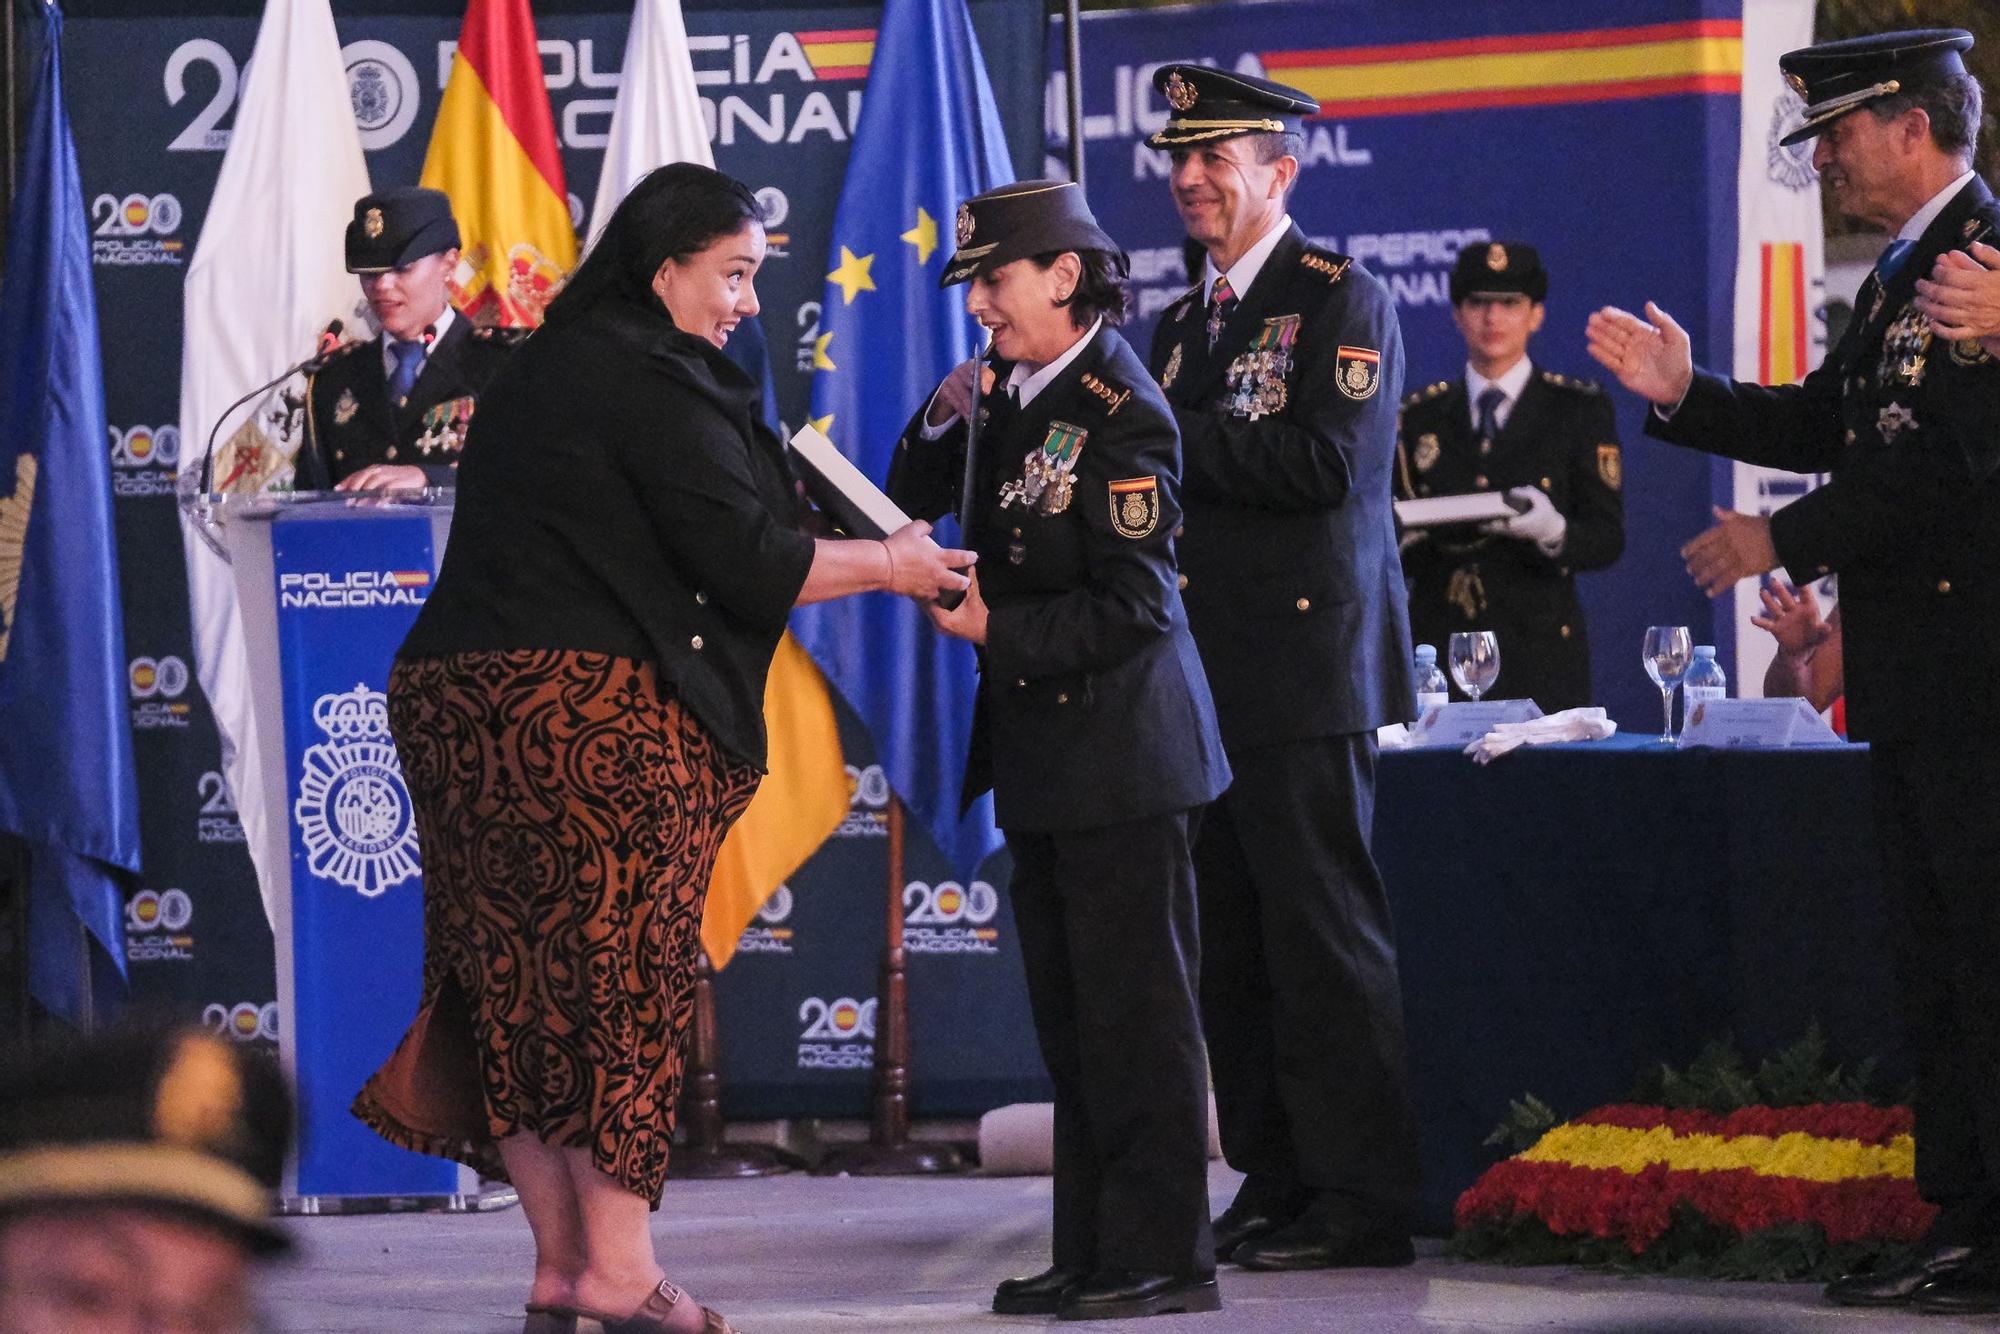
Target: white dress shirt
pixel 1245 270
pixel 438 326
pixel 1023 383
pixel 1511 382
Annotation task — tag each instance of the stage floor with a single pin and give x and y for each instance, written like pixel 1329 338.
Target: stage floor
pixel 797 1253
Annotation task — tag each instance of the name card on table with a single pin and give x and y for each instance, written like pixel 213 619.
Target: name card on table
pixel 1462 722
pixel 1750 724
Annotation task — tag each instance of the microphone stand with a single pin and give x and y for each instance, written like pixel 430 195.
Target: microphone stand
pixel 309 366
pixel 950 599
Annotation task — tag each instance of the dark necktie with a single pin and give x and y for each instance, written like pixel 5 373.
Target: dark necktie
pixel 1220 305
pixel 1490 399
pixel 409 360
pixel 1892 259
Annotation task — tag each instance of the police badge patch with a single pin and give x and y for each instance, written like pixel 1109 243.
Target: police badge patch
pixel 1428 452
pixel 1611 466
pixel 345 407
pixel 1135 506
pixel 1357 371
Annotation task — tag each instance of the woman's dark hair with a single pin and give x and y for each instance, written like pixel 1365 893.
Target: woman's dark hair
pixel 1100 286
pixel 673 212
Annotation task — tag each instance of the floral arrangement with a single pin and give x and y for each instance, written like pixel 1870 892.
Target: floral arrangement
pixel 1741 1190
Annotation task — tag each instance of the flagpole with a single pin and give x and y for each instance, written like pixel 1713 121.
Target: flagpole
pixel 705 1156
pixel 889 1151
pixel 1073 78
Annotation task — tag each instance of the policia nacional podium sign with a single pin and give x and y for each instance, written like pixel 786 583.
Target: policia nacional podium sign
pixel 329 587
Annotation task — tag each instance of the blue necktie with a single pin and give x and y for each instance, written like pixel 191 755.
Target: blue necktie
pixel 1892 259
pixel 409 360
pixel 1490 399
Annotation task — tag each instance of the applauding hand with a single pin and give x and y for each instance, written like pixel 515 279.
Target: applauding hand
pixel 1738 547
pixel 1651 357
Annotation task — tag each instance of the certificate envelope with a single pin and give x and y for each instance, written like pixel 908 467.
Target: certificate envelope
pixel 1443 511
pixel 856 505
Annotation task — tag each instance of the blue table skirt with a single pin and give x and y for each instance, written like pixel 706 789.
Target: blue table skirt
pixel 1569 915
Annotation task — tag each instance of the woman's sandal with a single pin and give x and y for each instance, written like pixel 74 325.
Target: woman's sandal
pixel 651 1318
pixel 549 1320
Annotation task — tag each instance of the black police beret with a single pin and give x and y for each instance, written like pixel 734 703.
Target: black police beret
pixel 1837 77
pixel 1499 268
pixel 1023 219
pixel 1210 104
pixel 164 1118
pixel 396 226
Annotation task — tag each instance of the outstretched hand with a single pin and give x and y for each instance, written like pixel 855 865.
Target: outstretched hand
pixel 1795 622
pixel 1651 357
pixel 920 568
pixel 1738 547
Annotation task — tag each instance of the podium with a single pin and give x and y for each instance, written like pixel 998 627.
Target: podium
pixel 328 584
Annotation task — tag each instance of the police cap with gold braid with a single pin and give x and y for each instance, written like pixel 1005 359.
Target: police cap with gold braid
pixel 396 226
pixel 1211 104
pixel 1023 219
pixel 1499 268
pixel 1838 77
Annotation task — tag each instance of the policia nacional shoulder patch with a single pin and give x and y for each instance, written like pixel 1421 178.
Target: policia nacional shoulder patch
pixel 1135 506
pixel 1357 370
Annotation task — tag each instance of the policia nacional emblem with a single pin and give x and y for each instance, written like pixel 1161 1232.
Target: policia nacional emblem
pixel 1357 371
pixel 1135 506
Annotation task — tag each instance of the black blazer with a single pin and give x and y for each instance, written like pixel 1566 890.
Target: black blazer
pixel 351 422
pixel 1093 709
pixel 1560 437
pixel 1909 427
pixel 620 494
pixel 1294 588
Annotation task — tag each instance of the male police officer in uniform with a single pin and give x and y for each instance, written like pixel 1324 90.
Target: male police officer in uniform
pixel 393 410
pixel 1907 421
pixel 1551 444
pixel 1284 368
pixel 1096 732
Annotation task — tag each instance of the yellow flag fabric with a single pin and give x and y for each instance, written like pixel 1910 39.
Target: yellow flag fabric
pixel 802 800
pixel 494 151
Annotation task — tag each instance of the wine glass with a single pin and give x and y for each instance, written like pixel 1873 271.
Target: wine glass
pixel 1666 654
pixel 1475 661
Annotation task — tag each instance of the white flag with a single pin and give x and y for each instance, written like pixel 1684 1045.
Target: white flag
pixel 1780 275
pixel 657 118
pixel 268 275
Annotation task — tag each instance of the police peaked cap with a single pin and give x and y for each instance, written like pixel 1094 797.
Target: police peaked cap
pixel 1499 268
pixel 1835 78
pixel 170 1119
pixel 1023 219
pixel 396 226
pixel 1211 104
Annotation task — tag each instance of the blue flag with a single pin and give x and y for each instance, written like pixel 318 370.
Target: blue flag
pixel 67 788
pixel 929 138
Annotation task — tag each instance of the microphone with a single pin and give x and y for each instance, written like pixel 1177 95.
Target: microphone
pixel 429 336
pixel 311 365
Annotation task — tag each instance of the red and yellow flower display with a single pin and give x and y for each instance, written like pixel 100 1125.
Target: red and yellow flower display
pixel 1623 1175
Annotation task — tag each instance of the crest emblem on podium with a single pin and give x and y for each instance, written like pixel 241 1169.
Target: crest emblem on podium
pixel 355 815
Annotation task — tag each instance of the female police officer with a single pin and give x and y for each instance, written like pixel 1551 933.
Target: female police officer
pixel 1095 731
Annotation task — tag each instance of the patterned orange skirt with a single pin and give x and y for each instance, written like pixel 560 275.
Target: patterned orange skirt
pixel 569 810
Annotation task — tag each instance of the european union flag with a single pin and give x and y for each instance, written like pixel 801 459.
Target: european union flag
pixel 929 138
pixel 66 779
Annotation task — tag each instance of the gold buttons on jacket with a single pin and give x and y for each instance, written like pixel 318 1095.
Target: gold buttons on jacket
pixel 1565 632
pixel 1944 585
pixel 390 452
pixel 1017 532
pixel 700 598
pixel 340 453
pixel 1062 698
pixel 1304 604
pixel 1181 582
pixel 695 643
pixel 1020 683
pixel 1547 483
pixel 1480 481
pixel 1180 530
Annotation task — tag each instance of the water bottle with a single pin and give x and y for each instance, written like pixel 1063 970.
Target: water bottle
pixel 1432 690
pixel 1704 680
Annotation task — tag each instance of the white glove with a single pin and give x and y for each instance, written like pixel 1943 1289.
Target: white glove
pixel 1541 523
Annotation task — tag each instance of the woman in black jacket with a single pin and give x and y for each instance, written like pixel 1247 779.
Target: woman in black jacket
pixel 578 712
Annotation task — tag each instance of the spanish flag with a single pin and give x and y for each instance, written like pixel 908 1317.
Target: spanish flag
pixel 801 801
pixel 493 150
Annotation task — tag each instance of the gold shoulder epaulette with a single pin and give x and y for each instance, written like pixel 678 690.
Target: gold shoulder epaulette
pixel 1112 396
pixel 1426 394
pixel 1333 266
pixel 1562 381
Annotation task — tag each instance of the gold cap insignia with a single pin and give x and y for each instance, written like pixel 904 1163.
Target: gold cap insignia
pixel 372 224
pixel 1181 95
pixel 1796 84
pixel 1496 257
pixel 964 224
